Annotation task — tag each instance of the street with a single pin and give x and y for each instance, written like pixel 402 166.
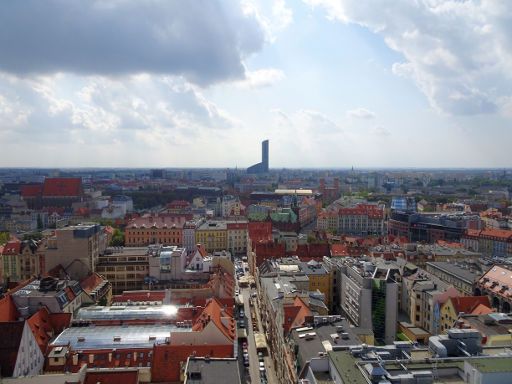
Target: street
pixel 251 311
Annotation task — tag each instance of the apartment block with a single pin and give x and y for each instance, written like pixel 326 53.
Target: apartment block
pixel 82 242
pixel 460 275
pixel 490 241
pixel 369 297
pixel 163 229
pixel 22 260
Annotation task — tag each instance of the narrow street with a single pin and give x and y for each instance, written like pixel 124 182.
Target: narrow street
pixel 250 312
pixel 253 354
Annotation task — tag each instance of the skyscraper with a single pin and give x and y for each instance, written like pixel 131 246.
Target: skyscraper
pixel 263 166
pixel 264 155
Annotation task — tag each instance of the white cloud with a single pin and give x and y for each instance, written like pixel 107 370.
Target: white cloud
pixel 457 52
pixel 361 113
pixel 306 122
pixel 260 78
pixel 380 131
pixel 273 19
pixel 282 15
pixel 154 110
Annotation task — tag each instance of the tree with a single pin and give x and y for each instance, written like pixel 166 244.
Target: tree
pixel 33 236
pixel 117 238
pixel 4 237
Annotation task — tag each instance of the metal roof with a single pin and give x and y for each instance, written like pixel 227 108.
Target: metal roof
pixel 110 337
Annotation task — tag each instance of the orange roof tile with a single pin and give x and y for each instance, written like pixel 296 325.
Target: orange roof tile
pixel 62 187
pixel 295 314
pixel 45 324
pixel 12 248
pixel 90 282
pixel 32 190
pixel 467 304
pixel 8 311
pixel 482 309
pixel 339 250
pixel 214 312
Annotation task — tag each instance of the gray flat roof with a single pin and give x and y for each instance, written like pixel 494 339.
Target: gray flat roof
pixel 212 371
pixel 462 273
pixel 102 337
pixel 322 339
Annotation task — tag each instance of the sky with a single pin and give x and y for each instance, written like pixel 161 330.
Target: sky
pixel 331 83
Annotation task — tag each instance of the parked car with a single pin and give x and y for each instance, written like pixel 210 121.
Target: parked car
pixel 262 366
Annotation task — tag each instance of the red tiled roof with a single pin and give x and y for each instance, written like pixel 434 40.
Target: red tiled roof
pixel 178 204
pixel 202 250
pixel 482 309
pixel 69 293
pixel 369 210
pixel 90 282
pixel 33 190
pixel 501 234
pixel 62 187
pixel 214 312
pixel 339 250
pixel 8 311
pixel 82 211
pixel 12 248
pixel 467 304
pixel 295 314
pixel 45 324
pixel 162 221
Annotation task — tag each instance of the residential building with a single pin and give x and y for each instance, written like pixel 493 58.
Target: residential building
pixel 361 220
pixel 189 234
pixel 126 268
pixel 82 242
pixel 207 370
pixel 22 260
pixel 454 307
pixel 19 351
pixel 496 283
pixel 491 242
pixel 146 230
pixel 422 297
pixel 230 206
pixel 369 297
pixel 461 276
pixel 318 277
pixel 237 237
pixel 125 202
pixel 213 235
pixel 168 264
pixel 57 295
pixel 284 306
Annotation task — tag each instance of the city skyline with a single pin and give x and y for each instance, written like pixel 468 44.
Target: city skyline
pixel 333 84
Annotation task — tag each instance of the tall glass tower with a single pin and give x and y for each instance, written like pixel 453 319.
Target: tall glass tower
pixel 264 156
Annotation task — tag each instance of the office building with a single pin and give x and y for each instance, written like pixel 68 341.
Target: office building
pixel 263 166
